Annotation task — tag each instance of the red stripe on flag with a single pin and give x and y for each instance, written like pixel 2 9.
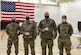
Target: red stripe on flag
pixel 25 6
pixel 23 14
pixel 16 20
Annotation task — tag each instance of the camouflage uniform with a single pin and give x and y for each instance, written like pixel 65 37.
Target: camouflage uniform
pixel 46 37
pixel 65 31
pixel 30 28
pixel 12 31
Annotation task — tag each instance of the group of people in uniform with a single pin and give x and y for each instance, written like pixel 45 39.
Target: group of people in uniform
pixel 48 32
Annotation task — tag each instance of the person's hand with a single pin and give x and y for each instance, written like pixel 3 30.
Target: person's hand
pixel 43 30
pixel 34 38
pixel 19 33
pixel 24 33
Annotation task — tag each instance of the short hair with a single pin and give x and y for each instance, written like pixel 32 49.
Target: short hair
pixel 27 15
pixel 64 16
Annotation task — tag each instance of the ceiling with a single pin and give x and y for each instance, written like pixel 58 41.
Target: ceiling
pixel 47 2
pixel 62 1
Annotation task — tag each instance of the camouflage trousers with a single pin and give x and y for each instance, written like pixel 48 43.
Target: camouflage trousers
pixel 31 43
pixel 44 43
pixel 64 44
pixel 9 45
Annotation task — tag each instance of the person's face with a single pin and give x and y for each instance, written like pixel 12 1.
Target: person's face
pixel 27 17
pixel 64 19
pixel 46 15
pixel 13 22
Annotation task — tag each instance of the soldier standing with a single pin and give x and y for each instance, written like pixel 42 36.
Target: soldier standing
pixel 12 30
pixel 28 29
pixel 65 31
pixel 48 30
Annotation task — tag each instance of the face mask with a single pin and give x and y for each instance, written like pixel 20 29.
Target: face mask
pixel 27 18
pixel 46 16
pixel 13 21
pixel 63 20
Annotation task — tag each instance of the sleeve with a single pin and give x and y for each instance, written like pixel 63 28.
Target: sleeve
pixel 7 29
pixel 58 28
pixel 70 30
pixel 18 27
pixel 34 31
pixel 18 30
pixel 39 27
pixel 55 29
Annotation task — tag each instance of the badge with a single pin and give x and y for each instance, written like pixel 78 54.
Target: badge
pixel 46 28
pixel 27 33
pixel 29 36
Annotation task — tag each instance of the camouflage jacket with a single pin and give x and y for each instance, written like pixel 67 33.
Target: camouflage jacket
pixel 12 30
pixel 30 28
pixel 52 30
pixel 65 30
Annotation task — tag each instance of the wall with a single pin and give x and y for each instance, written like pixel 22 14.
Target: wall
pixel 54 13
pixel 73 12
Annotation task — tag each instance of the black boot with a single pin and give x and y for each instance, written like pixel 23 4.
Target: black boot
pixel 15 54
pixel 8 54
pixel 68 54
pixel 61 53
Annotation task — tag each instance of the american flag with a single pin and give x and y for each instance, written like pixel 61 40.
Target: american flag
pixel 16 9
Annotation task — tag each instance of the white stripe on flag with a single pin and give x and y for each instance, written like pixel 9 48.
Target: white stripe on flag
pixel 22 13
pixel 16 19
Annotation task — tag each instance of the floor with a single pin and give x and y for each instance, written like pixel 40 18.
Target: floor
pixel 3 45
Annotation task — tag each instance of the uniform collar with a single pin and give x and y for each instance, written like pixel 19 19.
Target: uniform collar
pixel 27 21
pixel 13 24
pixel 47 19
pixel 64 23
